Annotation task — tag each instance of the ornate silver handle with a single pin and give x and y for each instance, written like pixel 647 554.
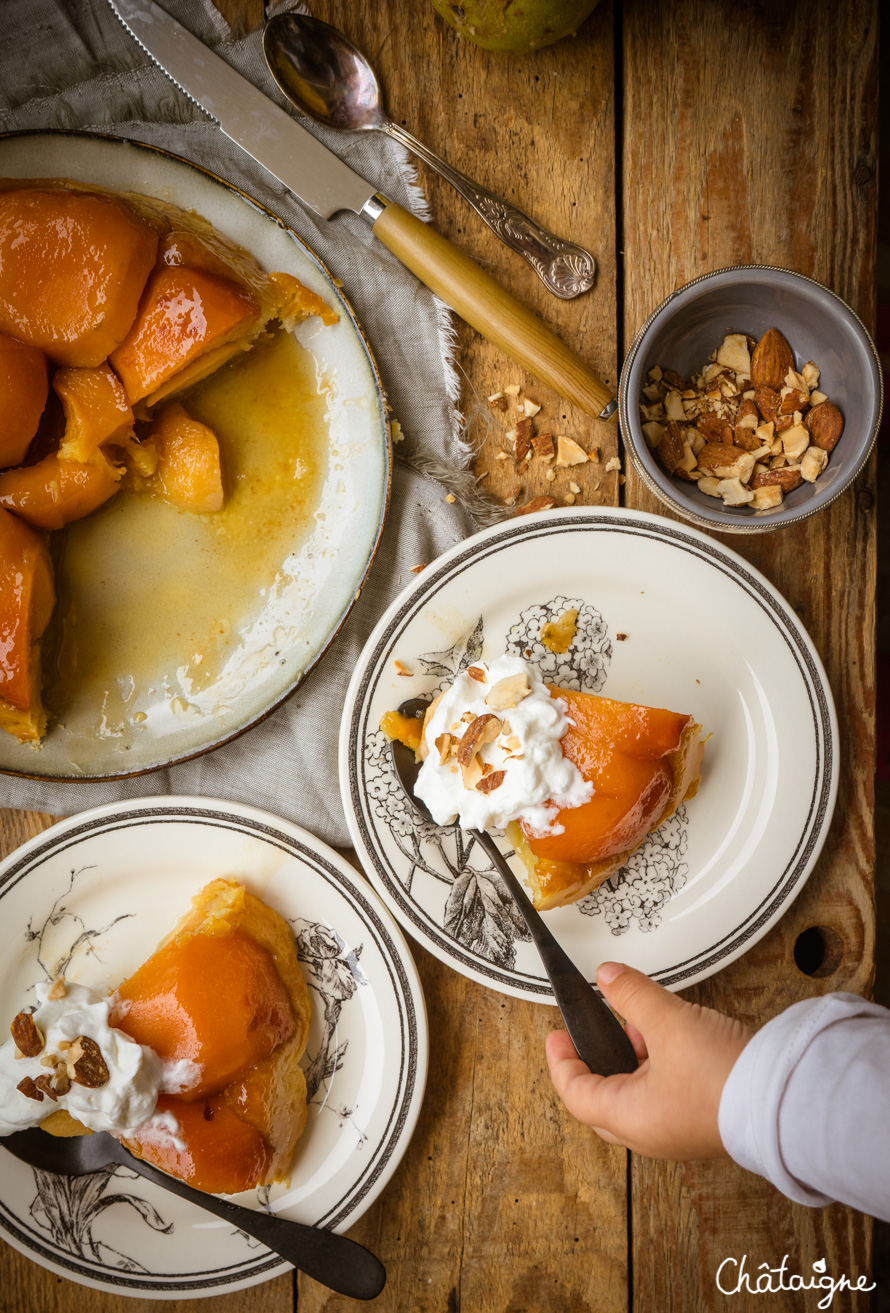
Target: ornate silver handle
pixel 565 269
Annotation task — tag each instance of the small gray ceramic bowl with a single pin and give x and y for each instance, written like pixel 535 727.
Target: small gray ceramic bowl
pixel 819 326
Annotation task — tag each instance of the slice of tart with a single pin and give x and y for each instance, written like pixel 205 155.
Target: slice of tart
pixel 578 781
pixel 643 762
pixel 223 998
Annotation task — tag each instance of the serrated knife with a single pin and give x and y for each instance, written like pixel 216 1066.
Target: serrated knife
pixel 323 182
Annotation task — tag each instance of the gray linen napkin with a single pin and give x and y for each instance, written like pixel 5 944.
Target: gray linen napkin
pixel 71 64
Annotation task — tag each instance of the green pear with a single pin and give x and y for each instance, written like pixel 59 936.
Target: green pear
pixel 517 27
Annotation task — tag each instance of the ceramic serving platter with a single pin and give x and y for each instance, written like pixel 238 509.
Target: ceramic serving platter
pixel 91 898
pixel 171 694
pixel 667 618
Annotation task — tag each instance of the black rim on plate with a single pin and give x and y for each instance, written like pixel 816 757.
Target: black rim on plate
pixel 551 525
pixel 65 838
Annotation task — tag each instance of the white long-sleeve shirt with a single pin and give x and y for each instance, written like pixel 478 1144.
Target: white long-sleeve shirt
pixel 807 1104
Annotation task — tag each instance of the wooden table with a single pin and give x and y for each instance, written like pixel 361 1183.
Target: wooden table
pixel 670 139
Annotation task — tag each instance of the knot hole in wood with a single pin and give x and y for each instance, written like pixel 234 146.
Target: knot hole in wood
pixel 818 951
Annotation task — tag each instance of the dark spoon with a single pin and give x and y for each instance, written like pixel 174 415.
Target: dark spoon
pixel 598 1036
pixel 333 1260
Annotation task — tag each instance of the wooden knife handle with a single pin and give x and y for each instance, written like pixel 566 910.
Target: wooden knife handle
pixel 486 306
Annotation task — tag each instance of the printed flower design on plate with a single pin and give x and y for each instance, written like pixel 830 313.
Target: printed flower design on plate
pixel 477 911
pixel 647 881
pixel 585 664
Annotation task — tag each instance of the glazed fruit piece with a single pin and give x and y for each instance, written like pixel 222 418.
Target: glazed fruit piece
pixel 224 994
pixel 188 471
pixel 642 761
pixel 73 265
pixel 23 393
pixel 55 492
pixel 184 314
pixel 27 598
pixel 96 410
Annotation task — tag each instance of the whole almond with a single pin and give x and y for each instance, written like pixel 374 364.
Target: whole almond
pixel 825 424
pixel 670 449
pixel 786 479
pixel 771 360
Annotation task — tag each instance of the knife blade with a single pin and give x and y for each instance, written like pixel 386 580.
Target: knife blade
pixel 320 179
pixel 247 117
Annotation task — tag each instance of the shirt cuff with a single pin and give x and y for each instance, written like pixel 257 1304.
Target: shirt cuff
pixel 752 1096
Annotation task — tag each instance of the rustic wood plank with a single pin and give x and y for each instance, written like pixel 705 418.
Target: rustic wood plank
pixel 760 147
pixel 540 132
pixel 502 1202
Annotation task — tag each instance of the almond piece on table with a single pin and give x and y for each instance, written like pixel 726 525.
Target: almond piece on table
pixel 543 444
pixel 771 361
pixel 569 453
pixel 536 504
pixel 524 434
pixel 27 1036
pixel 825 424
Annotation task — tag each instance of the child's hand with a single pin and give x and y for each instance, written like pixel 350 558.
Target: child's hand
pixel 668 1107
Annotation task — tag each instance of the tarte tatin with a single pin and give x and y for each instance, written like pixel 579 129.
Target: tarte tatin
pixel 110 306
pixel 224 996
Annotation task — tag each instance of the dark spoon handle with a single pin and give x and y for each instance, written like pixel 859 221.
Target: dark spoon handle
pixel 596 1033
pixel 331 1259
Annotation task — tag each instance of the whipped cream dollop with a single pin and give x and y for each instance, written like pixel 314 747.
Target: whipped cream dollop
pixel 135 1073
pixel 516 771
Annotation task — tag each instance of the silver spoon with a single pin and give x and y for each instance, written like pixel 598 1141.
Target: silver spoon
pixel 334 1260
pixel 330 81
pixel 598 1036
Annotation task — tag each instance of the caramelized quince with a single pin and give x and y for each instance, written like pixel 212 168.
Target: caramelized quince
pixel 96 410
pixel 224 996
pixel 73 265
pixel 642 761
pixel 27 598
pixel 184 314
pixel 213 1000
pixel 55 492
pixel 23 392
pixel 188 471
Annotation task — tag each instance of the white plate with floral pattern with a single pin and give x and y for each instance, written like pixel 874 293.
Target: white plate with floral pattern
pixel 668 618
pixel 90 898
